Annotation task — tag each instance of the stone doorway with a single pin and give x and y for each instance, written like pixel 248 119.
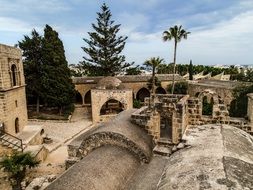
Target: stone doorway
pixel 111 107
pixel 16 125
pixel 166 127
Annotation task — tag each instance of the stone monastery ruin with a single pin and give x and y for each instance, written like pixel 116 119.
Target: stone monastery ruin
pixel 169 143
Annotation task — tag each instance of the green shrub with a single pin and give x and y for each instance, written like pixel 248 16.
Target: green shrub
pixel 137 103
pixel 180 88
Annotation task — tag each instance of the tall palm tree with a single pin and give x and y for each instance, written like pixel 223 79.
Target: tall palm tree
pixel 177 33
pixel 153 63
pixel 16 166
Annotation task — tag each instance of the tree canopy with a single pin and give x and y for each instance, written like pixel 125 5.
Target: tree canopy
pixel 33 66
pixel 16 165
pixel 46 69
pixel 104 47
pixel 176 33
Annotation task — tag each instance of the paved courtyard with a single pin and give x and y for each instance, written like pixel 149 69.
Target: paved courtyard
pixel 62 132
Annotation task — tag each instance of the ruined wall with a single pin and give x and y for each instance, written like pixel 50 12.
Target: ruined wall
pixel 12 97
pixel 99 97
pixel 223 91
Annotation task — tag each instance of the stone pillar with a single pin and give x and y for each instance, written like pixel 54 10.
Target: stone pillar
pixel 250 107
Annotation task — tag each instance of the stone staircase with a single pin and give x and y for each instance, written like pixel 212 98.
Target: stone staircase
pixel 80 113
pixel 164 147
pixel 12 142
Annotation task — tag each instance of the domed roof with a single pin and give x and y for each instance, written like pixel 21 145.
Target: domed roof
pixel 109 83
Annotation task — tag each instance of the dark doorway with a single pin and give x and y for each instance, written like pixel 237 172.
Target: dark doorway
pixel 16 125
pixel 160 90
pixel 111 107
pixel 207 106
pixel 166 127
pixel 142 94
pixel 79 99
pixel 87 97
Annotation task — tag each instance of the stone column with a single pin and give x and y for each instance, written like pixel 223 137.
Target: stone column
pixel 250 107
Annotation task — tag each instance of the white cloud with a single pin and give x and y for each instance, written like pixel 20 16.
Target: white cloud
pixel 227 42
pixel 24 6
pixel 14 25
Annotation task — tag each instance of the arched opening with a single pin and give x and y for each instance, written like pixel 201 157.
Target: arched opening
pixel 142 94
pixel 197 94
pixel 87 97
pixel 16 125
pixel 207 106
pixel 160 90
pixel 111 107
pixel 14 75
pixel 78 99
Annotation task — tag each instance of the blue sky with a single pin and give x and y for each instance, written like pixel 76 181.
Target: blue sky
pixel 221 30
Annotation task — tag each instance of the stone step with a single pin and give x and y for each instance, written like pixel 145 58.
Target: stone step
pixel 10 142
pixel 162 150
pixel 165 141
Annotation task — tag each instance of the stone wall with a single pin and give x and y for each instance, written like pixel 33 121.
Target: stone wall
pixel 165 106
pixel 101 96
pixel 134 82
pixel 225 92
pixel 12 98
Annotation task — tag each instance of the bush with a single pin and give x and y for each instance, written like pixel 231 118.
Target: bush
pixel 137 104
pixel 238 107
pixel 180 88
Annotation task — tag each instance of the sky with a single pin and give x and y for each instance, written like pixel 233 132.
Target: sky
pixel 221 30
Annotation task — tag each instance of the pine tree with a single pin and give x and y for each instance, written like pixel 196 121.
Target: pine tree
pixel 104 47
pixel 31 47
pixel 57 85
pixel 191 71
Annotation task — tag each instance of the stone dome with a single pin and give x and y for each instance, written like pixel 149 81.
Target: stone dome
pixel 109 83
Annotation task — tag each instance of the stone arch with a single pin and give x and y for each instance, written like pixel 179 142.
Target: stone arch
pixel 219 109
pixel 87 97
pixel 111 106
pixel 142 94
pixel 78 98
pixel 210 94
pixel 14 76
pixel 17 125
pixel 99 139
pixel 160 90
pixel 99 97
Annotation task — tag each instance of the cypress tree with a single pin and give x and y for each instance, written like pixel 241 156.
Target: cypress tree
pixel 57 85
pixel 31 47
pixel 190 71
pixel 103 50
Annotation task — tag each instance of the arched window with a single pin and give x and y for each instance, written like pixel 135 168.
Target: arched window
pixel 16 125
pixel 14 75
pixel 142 94
pixel 111 107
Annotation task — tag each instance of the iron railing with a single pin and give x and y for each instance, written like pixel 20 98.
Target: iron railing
pixel 18 145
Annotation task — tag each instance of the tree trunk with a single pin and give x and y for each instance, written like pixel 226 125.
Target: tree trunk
pixel 60 110
pixel 153 86
pixel 174 67
pixel 38 105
